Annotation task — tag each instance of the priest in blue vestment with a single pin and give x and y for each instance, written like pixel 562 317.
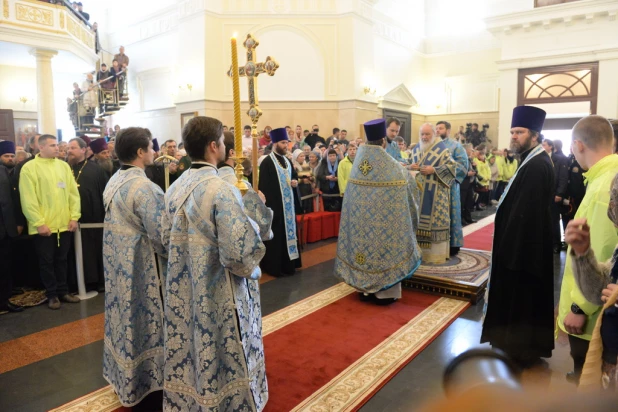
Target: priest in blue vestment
pixel 214 355
pixel 436 174
pixel 377 246
pixel 132 238
pixel 458 153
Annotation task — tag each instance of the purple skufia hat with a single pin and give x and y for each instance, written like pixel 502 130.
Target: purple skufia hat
pixel 375 129
pixel 7 146
pixel 98 145
pixel 279 135
pixel 155 145
pixel 529 117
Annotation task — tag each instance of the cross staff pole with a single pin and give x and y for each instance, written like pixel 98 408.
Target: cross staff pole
pixel 251 70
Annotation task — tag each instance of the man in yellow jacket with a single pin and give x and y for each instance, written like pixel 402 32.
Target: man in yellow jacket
pixel 593 148
pixel 345 167
pixel 50 201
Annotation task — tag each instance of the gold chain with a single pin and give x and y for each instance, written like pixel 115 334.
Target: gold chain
pixel 79 173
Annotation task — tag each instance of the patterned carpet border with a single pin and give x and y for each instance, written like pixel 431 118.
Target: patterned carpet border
pixel 469 267
pixel 105 399
pixel 361 380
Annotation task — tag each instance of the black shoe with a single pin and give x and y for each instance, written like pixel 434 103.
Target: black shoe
pixel 365 297
pixel 454 251
pixel 573 377
pixel 384 302
pixel 9 307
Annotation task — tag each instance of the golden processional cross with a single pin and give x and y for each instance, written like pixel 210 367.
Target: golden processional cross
pixel 251 70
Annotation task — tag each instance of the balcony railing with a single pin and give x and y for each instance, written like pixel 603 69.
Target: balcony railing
pixel 44 17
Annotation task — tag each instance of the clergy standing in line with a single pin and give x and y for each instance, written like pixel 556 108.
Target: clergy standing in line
pixel 133 237
pixel 278 183
pixel 519 302
pixel 214 355
pixel 91 180
pixel 432 158
pixel 460 157
pixel 377 246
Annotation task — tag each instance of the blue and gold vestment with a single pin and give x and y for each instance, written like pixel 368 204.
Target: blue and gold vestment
pixel 377 244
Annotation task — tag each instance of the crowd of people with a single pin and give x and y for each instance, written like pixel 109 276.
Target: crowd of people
pixel 101 91
pixel 176 200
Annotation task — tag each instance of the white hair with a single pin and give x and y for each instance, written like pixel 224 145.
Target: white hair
pixel 433 128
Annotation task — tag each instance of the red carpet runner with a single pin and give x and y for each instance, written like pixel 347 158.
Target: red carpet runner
pixel 331 352
pixel 481 239
pixel 306 355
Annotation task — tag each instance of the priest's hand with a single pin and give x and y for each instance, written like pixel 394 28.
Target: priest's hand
pixel 608 291
pixel 574 324
pixel 557 199
pixel 44 230
pixel 427 170
pixel 72 226
pixel 261 196
pixel 471 173
pixel 414 166
pixel 20 229
pixel 294 183
pixel 577 234
pixel 173 167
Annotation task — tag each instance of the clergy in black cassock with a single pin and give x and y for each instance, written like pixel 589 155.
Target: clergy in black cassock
pixel 278 182
pixel 519 315
pixel 91 181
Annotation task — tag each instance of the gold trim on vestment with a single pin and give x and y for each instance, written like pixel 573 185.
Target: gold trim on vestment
pixel 374 272
pixel 132 363
pixel 234 386
pixel 378 184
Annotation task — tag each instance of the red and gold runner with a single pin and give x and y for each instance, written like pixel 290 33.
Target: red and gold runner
pixel 332 350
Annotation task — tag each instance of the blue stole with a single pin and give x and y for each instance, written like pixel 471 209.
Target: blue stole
pixel 535 152
pixel 285 176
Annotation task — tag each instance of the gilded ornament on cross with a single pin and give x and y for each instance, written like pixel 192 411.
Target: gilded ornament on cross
pixel 251 70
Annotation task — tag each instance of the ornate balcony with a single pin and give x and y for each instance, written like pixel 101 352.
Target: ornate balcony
pixel 43 25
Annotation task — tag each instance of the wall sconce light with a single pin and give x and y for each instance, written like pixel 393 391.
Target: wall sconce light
pixel 369 90
pixel 23 99
pixel 189 87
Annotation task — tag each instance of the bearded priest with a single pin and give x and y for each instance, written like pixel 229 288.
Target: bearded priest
pixel 438 171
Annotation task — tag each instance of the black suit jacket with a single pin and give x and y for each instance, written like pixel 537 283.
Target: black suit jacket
pixel 10 208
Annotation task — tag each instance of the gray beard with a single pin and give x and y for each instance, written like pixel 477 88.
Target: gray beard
pixel 426 146
pixel 107 165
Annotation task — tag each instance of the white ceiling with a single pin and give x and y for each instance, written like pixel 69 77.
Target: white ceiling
pixel 13 54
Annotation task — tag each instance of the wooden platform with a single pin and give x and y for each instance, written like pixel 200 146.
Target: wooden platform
pixel 463 277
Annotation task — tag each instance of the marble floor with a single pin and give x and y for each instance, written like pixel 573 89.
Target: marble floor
pixel 48 358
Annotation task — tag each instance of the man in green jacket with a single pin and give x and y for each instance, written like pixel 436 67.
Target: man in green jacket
pixel 592 146
pixel 50 201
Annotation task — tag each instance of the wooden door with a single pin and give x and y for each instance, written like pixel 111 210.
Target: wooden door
pixel 7 128
pixel 406 123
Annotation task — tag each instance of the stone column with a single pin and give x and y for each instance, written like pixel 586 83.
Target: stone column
pixel 45 91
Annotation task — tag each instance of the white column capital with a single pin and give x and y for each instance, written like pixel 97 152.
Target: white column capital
pixel 43 54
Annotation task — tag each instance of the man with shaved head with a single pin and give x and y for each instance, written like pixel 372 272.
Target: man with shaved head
pixel 593 147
